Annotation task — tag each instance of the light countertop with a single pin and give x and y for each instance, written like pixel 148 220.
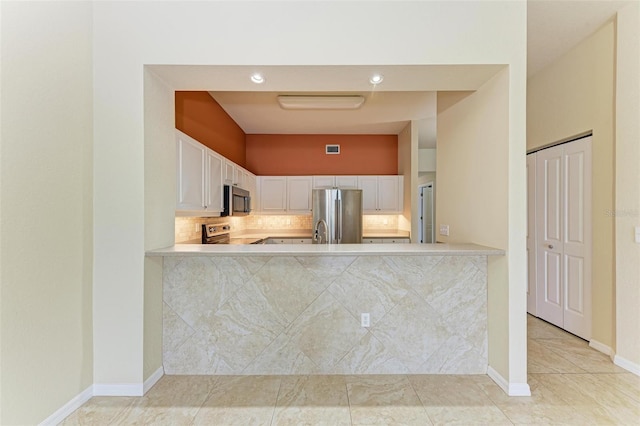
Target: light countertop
pixel 307 233
pixel 325 249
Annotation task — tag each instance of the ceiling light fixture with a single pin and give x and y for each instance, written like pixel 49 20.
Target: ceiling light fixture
pixel 257 78
pixel 321 101
pixel 376 79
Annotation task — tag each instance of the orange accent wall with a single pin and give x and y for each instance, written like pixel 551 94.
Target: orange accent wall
pixel 201 117
pixel 287 155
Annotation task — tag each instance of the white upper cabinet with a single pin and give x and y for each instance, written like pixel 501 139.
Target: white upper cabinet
pixel 213 184
pixel 273 194
pixel 389 194
pixel 381 194
pixel 299 194
pixel 292 194
pixel 324 181
pixel 201 174
pixel 229 172
pixel 369 186
pixel 346 182
pixel 190 174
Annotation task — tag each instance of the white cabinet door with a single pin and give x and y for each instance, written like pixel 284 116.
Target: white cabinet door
pixel 388 193
pixel 324 181
pixel 299 194
pixel 273 194
pixel 372 241
pixel 190 173
pixel 229 172
pixel 381 194
pixel 396 240
pixel 251 185
pixel 369 186
pixel 238 176
pixel 213 184
pixel 346 182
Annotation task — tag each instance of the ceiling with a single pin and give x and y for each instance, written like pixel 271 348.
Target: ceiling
pixel 407 92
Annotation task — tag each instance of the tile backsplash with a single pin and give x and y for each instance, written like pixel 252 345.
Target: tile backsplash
pixel 190 228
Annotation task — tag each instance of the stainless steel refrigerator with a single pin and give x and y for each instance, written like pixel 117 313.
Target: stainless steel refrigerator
pixel 337 216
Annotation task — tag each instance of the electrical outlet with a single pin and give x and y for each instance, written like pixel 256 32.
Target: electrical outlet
pixel 365 320
pixel 444 230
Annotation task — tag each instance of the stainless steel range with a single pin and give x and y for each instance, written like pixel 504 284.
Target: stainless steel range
pixel 216 233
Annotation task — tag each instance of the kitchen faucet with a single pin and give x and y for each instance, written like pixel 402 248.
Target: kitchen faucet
pixel 316 232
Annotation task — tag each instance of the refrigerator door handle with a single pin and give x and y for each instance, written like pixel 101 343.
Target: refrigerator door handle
pixel 338 221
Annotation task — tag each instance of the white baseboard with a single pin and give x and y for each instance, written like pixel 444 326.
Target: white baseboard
pixel 153 379
pixel 630 366
pixel 127 389
pixel 118 389
pixel 601 347
pixel 511 389
pixel 68 408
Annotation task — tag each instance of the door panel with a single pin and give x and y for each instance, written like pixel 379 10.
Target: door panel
pixel 574 294
pixel 549 215
pixel 577 237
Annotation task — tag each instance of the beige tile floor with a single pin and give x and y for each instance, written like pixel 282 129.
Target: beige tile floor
pixel 570 384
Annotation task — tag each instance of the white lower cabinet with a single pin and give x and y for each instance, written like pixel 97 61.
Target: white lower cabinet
pixel 289 241
pixel 395 240
pixel 372 241
pixel 385 240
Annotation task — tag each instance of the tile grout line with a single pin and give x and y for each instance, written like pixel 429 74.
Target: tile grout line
pixel 419 399
pixel 275 404
pixel 346 388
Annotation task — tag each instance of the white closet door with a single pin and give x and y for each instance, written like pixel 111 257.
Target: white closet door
pixel 577 237
pixel 549 222
pixel 531 234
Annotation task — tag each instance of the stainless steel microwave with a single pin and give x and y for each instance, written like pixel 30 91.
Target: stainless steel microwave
pixel 237 201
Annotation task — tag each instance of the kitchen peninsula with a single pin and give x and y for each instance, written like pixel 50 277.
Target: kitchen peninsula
pixel 325 309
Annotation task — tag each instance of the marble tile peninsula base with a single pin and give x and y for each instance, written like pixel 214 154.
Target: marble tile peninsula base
pixel 283 314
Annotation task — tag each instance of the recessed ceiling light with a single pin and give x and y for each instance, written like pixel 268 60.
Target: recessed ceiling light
pixel 257 78
pixel 376 79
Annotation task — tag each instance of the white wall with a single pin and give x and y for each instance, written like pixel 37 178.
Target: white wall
pixel 408 167
pixel 627 267
pixel 50 306
pixel 473 198
pixel 573 95
pixel 426 160
pixel 46 222
pixel 128 36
